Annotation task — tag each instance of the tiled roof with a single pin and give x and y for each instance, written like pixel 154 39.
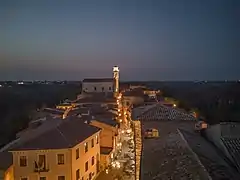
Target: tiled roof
pixel 105 150
pixel 30 134
pixel 168 157
pixel 107 121
pixel 54 111
pixel 160 112
pixel 138 93
pixel 6 160
pixel 79 111
pixel 230 129
pixel 233 147
pixel 66 135
pixel 96 100
pixel 99 94
pixel 98 80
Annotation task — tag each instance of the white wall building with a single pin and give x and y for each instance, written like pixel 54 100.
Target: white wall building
pixel 102 84
pixel 98 85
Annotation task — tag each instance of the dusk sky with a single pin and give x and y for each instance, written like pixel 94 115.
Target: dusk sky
pixel 148 40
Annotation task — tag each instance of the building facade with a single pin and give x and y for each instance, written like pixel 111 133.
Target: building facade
pixel 102 84
pixel 98 85
pixel 60 154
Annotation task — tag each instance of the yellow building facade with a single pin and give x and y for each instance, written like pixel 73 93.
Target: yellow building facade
pixel 76 156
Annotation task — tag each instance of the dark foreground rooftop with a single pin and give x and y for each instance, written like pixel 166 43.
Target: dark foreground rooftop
pixel 65 135
pixel 168 157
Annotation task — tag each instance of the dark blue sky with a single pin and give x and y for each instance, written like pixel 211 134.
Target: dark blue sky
pixel 148 40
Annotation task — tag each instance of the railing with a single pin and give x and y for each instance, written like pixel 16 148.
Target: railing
pixel 40 168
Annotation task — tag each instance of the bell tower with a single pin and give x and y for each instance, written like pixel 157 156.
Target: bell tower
pixel 116 79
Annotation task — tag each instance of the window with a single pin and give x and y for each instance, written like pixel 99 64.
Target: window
pixel 42 160
pixel 102 88
pixel 42 178
pixel 93 160
pixel 78 174
pixel 110 88
pixel 97 139
pixel 86 166
pixel 90 176
pixel 92 142
pixel 61 177
pixel 23 161
pixel 60 158
pixel 86 147
pixel 95 88
pixel 24 178
pixel 77 153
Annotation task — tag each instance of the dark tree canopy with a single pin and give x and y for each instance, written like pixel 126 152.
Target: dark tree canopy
pixel 17 103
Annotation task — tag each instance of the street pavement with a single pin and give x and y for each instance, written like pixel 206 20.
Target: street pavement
pixel 124 172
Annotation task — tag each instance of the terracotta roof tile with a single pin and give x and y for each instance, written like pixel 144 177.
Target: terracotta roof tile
pixel 66 135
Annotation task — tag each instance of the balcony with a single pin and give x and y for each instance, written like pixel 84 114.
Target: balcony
pixel 40 167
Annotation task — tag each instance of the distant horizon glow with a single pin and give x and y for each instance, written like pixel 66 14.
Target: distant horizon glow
pixel 148 40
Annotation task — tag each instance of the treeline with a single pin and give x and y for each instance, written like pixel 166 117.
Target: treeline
pixel 17 104
pixel 216 101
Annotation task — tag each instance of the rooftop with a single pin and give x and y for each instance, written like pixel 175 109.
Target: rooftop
pixel 174 159
pixel 161 112
pixel 79 111
pixel 95 99
pixel 107 121
pixel 90 80
pixel 135 92
pixel 54 111
pixel 65 135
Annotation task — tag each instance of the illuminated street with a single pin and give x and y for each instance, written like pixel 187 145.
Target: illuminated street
pixel 126 159
pixel 123 166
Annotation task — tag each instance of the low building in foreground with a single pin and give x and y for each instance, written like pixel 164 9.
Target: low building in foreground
pixel 71 150
pixel 226 136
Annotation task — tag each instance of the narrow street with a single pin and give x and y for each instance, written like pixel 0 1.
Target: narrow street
pixel 126 159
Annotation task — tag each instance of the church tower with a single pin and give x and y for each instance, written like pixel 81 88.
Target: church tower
pixel 116 80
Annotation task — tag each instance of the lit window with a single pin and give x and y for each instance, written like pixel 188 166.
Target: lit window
pixel 77 153
pixel 92 142
pixel 86 166
pixel 42 178
pixel 60 158
pixel 86 147
pixel 97 141
pixel 23 161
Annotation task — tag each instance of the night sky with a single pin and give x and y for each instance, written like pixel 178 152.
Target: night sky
pixel 148 40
